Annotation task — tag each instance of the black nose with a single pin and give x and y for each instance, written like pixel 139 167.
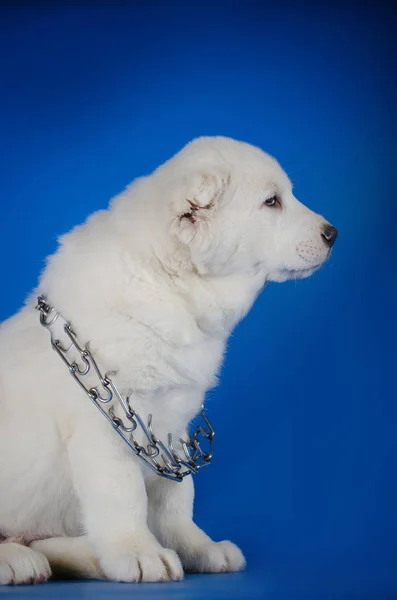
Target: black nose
pixel 329 235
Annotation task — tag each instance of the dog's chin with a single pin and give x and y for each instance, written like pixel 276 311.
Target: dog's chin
pixel 286 273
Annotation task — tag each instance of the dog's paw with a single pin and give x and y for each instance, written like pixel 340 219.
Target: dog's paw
pixel 22 565
pixel 214 557
pixel 151 564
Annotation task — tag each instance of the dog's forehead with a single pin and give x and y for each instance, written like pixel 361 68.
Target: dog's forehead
pixel 263 171
pixel 244 161
pixel 245 164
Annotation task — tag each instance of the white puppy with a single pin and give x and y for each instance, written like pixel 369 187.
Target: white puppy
pixel 156 283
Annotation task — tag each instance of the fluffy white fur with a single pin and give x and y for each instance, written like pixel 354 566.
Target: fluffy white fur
pixel 156 283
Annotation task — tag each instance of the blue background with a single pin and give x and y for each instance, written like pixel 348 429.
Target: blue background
pixel 97 93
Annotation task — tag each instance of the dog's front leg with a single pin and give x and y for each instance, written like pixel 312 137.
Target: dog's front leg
pixel 170 517
pixel 112 496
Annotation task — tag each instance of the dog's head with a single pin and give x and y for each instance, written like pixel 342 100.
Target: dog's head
pixel 235 210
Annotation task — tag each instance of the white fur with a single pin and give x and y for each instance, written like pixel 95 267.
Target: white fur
pixel 156 283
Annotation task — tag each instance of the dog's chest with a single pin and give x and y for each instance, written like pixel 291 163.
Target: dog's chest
pixel 153 365
pixel 198 363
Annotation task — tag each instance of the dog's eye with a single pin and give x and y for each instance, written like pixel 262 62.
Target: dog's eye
pixel 273 201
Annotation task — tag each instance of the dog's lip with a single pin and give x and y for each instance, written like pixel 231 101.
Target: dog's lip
pixel 304 270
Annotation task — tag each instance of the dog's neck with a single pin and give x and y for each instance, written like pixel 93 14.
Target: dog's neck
pixel 218 302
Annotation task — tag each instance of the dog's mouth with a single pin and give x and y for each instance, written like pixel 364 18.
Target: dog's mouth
pixel 288 273
pixel 301 273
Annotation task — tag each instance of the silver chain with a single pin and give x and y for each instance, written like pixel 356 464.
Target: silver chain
pixel 160 457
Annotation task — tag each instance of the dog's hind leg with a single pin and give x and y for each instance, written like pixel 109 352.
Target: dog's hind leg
pixel 69 557
pixel 20 564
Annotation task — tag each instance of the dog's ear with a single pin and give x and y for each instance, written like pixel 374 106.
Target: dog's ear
pixel 202 199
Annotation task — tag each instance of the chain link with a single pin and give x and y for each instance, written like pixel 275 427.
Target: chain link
pixel 162 458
